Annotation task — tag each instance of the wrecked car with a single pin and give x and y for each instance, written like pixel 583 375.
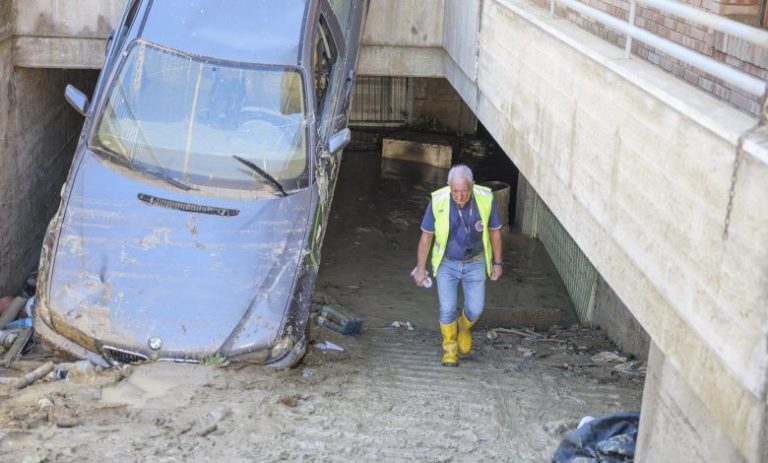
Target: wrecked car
pixel 192 218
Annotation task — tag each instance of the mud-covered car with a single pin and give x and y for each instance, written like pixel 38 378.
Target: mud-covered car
pixel 191 222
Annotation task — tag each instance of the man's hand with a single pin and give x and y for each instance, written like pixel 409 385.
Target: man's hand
pixel 419 275
pixel 496 272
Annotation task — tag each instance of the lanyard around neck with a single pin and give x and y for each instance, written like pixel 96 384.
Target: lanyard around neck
pixel 461 216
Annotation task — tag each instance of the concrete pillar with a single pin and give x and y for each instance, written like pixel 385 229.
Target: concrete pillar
pixel 8 155
pixel 525 207
pixel 675 425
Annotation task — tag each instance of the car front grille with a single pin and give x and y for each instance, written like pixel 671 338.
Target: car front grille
pixel 119 355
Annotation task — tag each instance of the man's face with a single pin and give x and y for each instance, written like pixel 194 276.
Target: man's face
pixel 461 190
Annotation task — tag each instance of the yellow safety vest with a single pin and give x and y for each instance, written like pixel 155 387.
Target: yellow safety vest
pixel 441 208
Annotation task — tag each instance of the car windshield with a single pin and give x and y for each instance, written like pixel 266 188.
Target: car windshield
pixel 196 121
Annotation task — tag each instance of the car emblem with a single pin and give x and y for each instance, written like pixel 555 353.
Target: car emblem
pixel 155 343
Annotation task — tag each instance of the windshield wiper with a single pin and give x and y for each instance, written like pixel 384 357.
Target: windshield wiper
pixel 172 181
pixel 270 179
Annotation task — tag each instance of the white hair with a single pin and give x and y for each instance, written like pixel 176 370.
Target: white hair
pixel 460 171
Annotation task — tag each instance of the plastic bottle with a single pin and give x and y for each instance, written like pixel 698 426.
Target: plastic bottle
pixel 339 321
pixel 426 283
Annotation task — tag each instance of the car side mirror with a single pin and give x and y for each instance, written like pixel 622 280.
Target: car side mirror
pixel 77 99
pixel 339 141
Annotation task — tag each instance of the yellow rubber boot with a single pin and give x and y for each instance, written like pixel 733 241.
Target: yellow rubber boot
pixel 465 335
pixel 450 350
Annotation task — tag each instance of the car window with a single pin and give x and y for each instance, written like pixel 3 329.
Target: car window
pixel 187 117
pixel 327 68
pixel 342 10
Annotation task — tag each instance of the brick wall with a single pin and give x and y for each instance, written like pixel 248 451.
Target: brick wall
pixel 730 50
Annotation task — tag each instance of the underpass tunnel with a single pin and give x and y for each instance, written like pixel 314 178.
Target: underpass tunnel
pixel 374 227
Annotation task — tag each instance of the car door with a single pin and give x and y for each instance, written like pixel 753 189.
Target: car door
pixel 328 65
pixel 350 15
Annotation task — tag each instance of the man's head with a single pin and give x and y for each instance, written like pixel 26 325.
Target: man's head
pixel 460 180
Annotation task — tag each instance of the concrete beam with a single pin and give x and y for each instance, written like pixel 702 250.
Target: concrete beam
pixel 405 23
pixel 63 34
pixel 376 60
pixel 59 52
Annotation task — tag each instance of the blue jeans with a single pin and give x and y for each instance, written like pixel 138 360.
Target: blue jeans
pixel 472 276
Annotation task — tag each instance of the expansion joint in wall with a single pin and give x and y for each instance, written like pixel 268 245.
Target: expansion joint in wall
pixel 738 159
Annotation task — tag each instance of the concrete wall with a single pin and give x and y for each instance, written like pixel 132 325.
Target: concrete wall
pixel 637 166
pixel 7 151
pixel 63 34
pixel 613 316
pixel 38 133
pixel 675 425
pixel 436 100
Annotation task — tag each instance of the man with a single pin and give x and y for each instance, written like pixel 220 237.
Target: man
pixel 465 223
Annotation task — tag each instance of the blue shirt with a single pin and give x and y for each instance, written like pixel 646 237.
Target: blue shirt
pixel 465 229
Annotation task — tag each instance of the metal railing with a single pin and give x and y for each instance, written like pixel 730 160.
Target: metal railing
pixel 731 75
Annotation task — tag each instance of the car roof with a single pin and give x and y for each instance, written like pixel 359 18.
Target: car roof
pixel 250 31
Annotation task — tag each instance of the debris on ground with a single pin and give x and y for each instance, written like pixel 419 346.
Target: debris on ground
pixel 7 337
pixel 19 323
pixel 606 438
pixel 559 427
pixel 339 321
pixel 608 357
pixel 14 351
pixel 407 325
pixel 11 312
pixel 207 430
pixel 525 351
pixel 328 345
pixel 633 367
pixel 82 372
pixel 477 148
pixel 61 370
pixel 290 400
pixel 215 360
pixel 33 376
pixel 5 301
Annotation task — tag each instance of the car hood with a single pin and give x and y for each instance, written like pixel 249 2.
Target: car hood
pixel 131 264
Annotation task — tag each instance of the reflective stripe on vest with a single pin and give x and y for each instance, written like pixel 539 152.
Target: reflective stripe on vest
pixel 441 208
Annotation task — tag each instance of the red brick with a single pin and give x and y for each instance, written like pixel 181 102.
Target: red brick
pixel 691 77
pixel 696 34
pixel 722 92
pixel 743 102
pixel 683 28
pixel 706 84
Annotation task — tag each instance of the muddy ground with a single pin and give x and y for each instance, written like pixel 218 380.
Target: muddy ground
pixel 384 398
